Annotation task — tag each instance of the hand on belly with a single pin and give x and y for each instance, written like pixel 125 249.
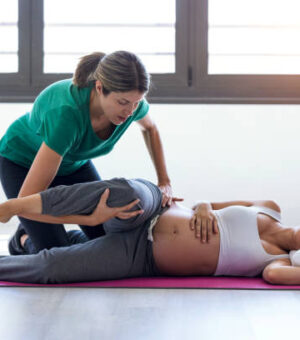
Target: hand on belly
pixel 177 251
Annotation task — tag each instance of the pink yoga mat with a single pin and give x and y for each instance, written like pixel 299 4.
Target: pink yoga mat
pixel 169 282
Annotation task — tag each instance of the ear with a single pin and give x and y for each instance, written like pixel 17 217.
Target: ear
pixel 98 87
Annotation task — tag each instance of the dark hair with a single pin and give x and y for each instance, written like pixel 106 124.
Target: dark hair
pixel 119 71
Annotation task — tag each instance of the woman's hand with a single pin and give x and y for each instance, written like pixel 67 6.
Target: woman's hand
pixel 168 198
pixel 204 222
pixel 103 212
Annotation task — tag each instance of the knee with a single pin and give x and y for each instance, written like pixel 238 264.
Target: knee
pixel 123 191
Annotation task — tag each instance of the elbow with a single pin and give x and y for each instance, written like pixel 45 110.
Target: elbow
pixel 273 205
pixel 150 128
pixel 272 276
pixel 269 275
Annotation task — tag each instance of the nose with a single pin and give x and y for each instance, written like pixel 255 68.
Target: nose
pixel 129 110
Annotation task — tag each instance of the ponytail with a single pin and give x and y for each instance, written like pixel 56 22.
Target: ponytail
pixel 85 69
pixel 120 71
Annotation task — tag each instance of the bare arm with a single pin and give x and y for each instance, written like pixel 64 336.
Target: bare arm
pixel 204 221
pixel 42 172
pixel 282 272
pixel 154 145
pixel 220 205
pixel 32 206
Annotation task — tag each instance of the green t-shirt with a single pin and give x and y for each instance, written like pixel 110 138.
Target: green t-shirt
pixel 60 117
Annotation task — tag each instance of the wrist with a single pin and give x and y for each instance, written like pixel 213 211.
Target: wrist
pixel 12 206
pixel 164 181
pixel 203 205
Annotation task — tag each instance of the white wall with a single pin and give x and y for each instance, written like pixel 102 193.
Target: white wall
pixel 214 152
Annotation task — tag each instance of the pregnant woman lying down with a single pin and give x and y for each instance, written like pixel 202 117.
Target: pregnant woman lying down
pixel 241 238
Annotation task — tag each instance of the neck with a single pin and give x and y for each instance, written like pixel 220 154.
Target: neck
pixel 98 120
pixel 96 111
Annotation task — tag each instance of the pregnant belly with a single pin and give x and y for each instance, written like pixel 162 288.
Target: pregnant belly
pixel 176 251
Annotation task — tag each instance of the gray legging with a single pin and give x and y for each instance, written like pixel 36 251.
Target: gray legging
pixel 123 252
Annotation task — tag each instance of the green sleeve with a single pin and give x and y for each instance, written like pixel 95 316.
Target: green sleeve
pixel 142 110
pixel 59 129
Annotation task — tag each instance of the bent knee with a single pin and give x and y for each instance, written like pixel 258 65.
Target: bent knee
pixel 149 199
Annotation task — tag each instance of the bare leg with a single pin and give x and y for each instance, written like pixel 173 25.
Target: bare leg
pixel 16 206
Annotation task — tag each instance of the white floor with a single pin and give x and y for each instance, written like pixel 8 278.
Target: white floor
pixel 214 152
pixel 148 314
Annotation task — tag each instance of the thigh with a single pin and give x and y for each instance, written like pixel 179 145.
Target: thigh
pixel 12 177
pixel 150 201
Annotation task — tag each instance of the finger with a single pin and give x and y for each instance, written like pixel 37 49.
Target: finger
pixel 169 202
pixel 128 206
pixel 104 196
pixel 209 230
pixel 164 201
pixel 216 229
pixel 198 228
pixel 127 215
pixel 204 231
pixel 177 199
pixel 192 222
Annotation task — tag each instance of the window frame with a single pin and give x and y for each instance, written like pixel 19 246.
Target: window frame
pixel 237 88
pixel 25 85
pixel 191 82
pixel 13 83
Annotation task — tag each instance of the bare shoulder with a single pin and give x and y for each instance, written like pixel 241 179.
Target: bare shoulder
pixel 268 204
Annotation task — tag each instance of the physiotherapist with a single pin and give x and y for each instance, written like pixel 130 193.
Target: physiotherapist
pixel 71 122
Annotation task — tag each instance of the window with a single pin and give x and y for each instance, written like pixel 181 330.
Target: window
pixel 251 50
pixel 54 34
pixel 196 50
pixel 253 37
pixel 147 29
pixel 9 36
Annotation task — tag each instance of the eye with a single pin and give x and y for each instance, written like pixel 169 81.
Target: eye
pixel 122 103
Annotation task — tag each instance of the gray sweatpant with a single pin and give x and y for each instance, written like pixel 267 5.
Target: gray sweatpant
pixel 123 252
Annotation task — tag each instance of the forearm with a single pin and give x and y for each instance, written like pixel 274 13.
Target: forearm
pixel 155 148
pixel 221 205
pixel 285 275
pixel 71 219
pixel 30 207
